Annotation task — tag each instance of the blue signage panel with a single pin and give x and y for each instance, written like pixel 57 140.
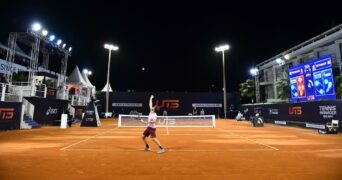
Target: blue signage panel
pixel 313 80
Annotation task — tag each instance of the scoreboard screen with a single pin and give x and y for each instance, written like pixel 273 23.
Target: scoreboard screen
pixel 312 80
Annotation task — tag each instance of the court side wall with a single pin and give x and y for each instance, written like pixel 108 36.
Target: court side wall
pixel 306 114
pixel 175 103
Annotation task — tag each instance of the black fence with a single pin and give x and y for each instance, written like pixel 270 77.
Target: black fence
pixel 307 114
pixel 46 111
pixel 10 115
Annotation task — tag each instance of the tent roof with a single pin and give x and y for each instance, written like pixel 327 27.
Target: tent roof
pixel 76 78
pixel 105 88
pixel 85 77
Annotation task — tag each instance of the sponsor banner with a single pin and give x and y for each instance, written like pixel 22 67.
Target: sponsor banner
pixel 280 122
pixel 4 67
pixel 168 103
pixel 316 112
pixel 10 115
pixel 273 111
pixel 207 105
pixel 51 93
pixel 315 126
pixel 47 110
pixel 127 104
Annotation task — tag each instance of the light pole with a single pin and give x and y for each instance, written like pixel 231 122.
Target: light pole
pixel 254 72
pixel 223 48
pixel 111 48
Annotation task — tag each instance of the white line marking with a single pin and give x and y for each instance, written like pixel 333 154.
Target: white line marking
pixel 252 140
pixel 84 140
pixel 170 150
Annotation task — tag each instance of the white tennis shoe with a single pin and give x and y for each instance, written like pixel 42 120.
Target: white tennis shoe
pixel 161 151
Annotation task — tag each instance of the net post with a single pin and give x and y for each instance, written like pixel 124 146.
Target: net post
pixel 213 119
pixel 119 120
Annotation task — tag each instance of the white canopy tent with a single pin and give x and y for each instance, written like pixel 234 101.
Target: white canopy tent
pixel 105 88
pixel 89 84
pixel 82 89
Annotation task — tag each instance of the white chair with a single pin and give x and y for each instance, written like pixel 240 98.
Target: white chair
pixel 333 126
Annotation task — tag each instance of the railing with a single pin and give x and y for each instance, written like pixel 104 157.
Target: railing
pixel 16 91
pixel 78 100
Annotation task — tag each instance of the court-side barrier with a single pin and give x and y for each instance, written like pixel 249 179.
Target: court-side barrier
pixel 47 111
pixel 10 115
pixel 305 114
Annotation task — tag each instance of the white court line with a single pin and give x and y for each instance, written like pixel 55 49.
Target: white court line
pixel 167 150
pixel 252 140
pixel 84 140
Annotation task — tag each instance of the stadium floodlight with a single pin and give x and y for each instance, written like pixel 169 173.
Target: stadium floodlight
pixel 280 61
pixel 63 46
pixel 254 71
pixel 287 56
pixel 111 48
pixel 45 32
pixel 87 72
pixel 70 49
pixel 52 37
pixel 59 42
pixel 223 48
pixel 36 27
pixel 90 72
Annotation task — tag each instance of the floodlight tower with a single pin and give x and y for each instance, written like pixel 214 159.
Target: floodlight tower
pixel 223 48
pixel 111 48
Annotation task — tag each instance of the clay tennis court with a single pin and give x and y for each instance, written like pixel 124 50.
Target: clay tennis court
pixel 232 150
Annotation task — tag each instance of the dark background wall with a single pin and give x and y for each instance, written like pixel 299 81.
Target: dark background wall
pixel 180 104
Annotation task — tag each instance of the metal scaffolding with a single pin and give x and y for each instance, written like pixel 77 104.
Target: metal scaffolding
pixel 38 44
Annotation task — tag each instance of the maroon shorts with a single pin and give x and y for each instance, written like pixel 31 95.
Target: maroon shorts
pixel 150 131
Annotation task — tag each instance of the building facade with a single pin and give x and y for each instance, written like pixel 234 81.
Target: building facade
pixel 276 68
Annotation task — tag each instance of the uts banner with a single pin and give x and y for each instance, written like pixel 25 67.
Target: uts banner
pixel 10 115
pixel 310 114
pixel 47 110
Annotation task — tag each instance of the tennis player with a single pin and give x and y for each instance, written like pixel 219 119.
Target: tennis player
pixel 151 127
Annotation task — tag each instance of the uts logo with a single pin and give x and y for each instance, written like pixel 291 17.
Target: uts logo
pixel 168 104
pixel 51 111
pixel 51 92
pixel 78 112
pixel 167 121
pixel 6 113
pixel 297 110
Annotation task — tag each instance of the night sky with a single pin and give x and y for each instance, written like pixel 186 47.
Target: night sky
pixel 173 40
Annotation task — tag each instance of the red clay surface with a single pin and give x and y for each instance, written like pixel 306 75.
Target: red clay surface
pixel 232 150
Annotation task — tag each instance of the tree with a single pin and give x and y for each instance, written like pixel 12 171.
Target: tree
pixel 19 77
pixel 338 84
pixel 283 87
pixel 247 89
